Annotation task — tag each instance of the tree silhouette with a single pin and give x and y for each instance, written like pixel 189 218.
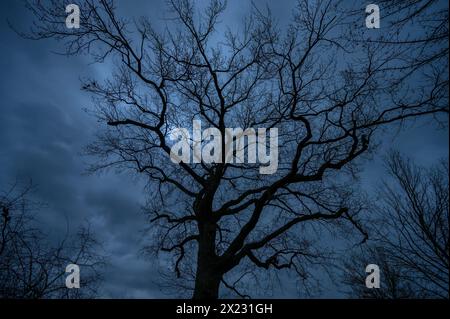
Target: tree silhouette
pixel 327 90
pixel 392 275
pixel 411 235
pixel 30 266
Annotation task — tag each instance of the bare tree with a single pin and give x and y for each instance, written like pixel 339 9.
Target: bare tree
pixel 328 95
pixel 411 244
pixel 392 275
pixel 420 28
pixel 30 266
pixel 431 36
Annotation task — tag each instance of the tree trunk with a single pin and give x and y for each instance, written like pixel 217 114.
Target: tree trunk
pixel 208 275
pixel 207 284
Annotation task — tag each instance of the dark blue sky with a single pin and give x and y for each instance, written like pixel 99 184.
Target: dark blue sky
pixel 43 129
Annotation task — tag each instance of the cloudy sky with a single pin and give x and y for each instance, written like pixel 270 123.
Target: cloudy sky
pixel 44 127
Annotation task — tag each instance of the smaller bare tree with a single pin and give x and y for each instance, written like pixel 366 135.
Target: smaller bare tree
pixel 32 268
pixel 411 245
pixel 393 284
